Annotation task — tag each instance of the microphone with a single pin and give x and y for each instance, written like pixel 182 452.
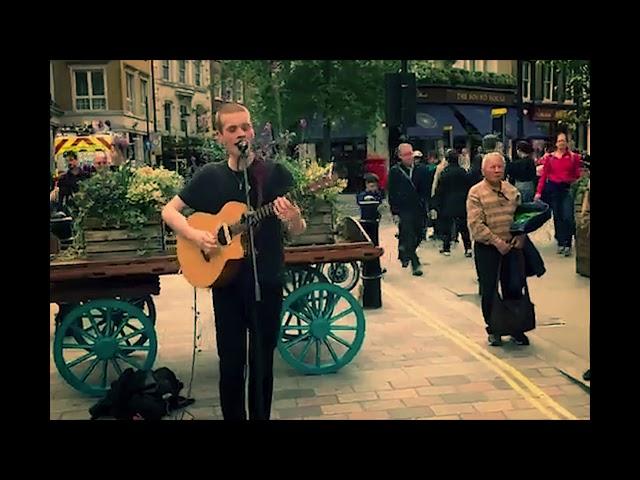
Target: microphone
pixel 242 145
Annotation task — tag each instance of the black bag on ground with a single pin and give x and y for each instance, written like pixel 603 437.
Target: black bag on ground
pixel 148 394
pixel 514 314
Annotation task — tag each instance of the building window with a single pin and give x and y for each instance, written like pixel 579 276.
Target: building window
pixel 197 72
pixel 546 82
pixel 550 82
pixel 183 118
pixel 217 86
pixel 227 94
pixel 182 71
pixel 526 81
pixel 167 116
pixel 165 70
pixel 89 89
pixel 130 92
pixel 144 95
pixel 239 91
pixel 201 118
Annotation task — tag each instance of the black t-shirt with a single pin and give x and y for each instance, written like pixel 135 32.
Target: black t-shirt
pixel 215 184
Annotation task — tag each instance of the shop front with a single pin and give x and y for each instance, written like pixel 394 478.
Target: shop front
pixel 460 117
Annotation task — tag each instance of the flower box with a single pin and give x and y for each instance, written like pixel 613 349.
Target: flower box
pixel 108 242
pixel 320 225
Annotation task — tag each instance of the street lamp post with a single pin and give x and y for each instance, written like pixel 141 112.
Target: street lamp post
pixel 403 101
pixel 519 66
pixel 153 96
pixel 147 144
pixel 155 113
pixel 185 116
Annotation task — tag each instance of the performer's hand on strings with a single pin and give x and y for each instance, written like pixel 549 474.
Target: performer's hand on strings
pixel 285 210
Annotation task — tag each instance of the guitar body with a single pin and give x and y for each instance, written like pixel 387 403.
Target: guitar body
pixel 220 267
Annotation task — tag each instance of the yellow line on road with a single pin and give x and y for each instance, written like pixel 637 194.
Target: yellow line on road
pixel 531 392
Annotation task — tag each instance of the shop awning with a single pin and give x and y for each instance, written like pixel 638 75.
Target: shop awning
pixel 476 118
pixel 431 120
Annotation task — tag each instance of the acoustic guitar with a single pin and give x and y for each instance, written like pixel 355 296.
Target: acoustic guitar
pixel 216 268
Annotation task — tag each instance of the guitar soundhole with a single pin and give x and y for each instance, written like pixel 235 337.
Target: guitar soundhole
pixel 222 239
pixel 205 256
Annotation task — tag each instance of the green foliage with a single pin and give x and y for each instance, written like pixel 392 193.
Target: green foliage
pixel 125 198
pixel 205 150
pixel 579 82
pixel 305 172
pixel 285 91
pixel 433 75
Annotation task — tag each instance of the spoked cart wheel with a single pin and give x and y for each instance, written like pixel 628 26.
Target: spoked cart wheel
pixel 98 340
pixel 327 331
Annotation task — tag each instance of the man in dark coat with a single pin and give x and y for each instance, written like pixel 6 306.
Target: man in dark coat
pixel 451 198
pixel 408 195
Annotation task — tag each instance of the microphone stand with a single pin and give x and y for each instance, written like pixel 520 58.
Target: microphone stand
pixel 250 224
pixel 258 382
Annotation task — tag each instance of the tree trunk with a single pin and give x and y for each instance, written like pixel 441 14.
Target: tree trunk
pixel 275 85
pixel 326 128
pixel 326 140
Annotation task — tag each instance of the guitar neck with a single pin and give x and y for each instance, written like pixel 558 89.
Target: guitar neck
pixel 269 209
pixel 259 215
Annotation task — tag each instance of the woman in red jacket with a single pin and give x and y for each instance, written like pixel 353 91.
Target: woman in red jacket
pixel 561 169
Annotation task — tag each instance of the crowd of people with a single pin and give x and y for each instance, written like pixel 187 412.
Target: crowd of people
pixel 476 199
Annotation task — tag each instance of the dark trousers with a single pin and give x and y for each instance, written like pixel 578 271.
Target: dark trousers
pixel 437 225
pixel 460 226
pixel 409 236
pixel 234 307
pixel 371 269
pixel 562 206
pixel 426 223
pixel 487 259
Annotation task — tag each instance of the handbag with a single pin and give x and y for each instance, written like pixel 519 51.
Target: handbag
pixel 511 316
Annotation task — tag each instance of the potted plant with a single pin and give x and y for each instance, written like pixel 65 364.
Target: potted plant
pixel 118 212
pixel 319 208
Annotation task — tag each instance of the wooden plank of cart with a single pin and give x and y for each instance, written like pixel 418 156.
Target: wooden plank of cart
pixel 106 321
pixel 322 324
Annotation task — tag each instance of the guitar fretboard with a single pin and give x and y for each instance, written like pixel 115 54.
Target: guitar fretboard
pixel 269 209
pixel 259 215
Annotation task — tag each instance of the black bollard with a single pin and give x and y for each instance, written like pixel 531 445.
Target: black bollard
pixel 371 271
pixel 371 289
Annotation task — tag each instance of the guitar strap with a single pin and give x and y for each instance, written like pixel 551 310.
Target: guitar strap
pixel 260 171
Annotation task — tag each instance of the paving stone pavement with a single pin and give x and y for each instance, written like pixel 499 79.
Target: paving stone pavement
pixel 424 357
